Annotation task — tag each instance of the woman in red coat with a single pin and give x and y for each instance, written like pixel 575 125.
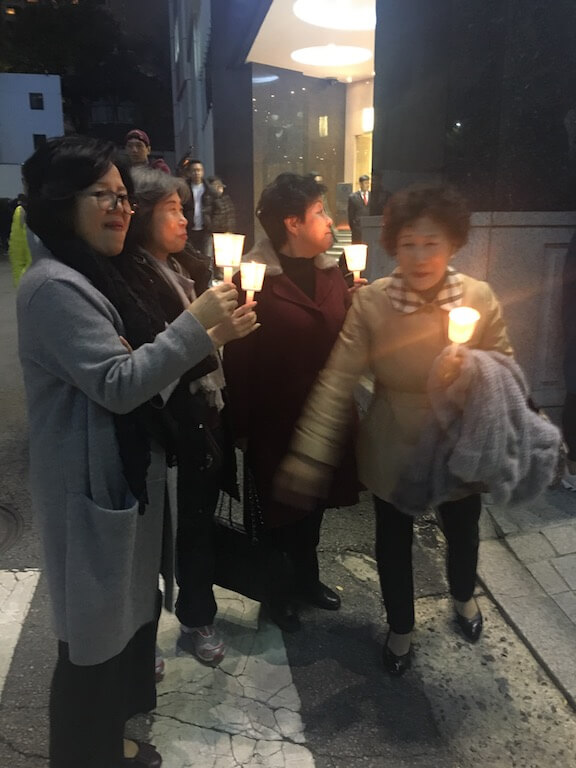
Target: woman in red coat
pixel 301 309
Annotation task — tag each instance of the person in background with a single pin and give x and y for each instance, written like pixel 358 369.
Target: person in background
pixel 397 327
pixel 18 248
pixel 198 209
pixel 358 206
pixel 222 217
pixel 95 357
pixel 301 307
pixel 158 259
pixel 138 148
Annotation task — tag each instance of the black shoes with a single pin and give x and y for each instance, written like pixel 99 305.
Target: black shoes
pixel 393 664
pixel 321 596
pixel 146 757
pixel 284 615
pixel 471 628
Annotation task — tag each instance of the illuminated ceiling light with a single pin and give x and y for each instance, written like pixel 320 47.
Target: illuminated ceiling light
pixel 331 55
pixel 349 15
pixel 259 79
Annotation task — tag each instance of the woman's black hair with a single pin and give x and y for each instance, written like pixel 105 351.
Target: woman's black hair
pixel 442 203
pixel 57 172
pixel 288 195
pixel 150 187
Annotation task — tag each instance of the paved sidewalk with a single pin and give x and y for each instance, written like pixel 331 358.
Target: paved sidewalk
pixel 528 565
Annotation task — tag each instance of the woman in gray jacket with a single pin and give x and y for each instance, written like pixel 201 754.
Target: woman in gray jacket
pixel 94 363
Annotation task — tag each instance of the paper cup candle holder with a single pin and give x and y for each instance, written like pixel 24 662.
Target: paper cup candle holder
pixel 228 252
pixel 252 277
pixel 356 258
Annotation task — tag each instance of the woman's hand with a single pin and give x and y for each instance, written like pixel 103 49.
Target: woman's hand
pixel 215 305
pixel 237 325
pixel 357 284
pixel 301 482
pixel 449 366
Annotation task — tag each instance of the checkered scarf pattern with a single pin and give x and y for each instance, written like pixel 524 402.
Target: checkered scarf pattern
pixel 406 301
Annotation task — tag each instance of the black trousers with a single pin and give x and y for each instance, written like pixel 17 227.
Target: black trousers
pixel 197 501
pixel 298 542
pixel 89 705
pixel 394 533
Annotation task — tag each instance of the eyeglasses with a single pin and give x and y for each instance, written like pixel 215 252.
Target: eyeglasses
pixel 108 201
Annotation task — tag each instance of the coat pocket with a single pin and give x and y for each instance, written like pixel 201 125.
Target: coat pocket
pixel 100 564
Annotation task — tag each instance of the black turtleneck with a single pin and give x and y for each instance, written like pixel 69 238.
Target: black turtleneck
pixel 302 272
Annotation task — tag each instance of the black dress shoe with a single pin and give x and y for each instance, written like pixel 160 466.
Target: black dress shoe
pixel 321 596
pixel 284 615
pixel 396 665
pixel 471 628
pixel 146 757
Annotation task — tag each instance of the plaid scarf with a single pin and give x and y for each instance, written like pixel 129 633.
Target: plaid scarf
pixel 406 301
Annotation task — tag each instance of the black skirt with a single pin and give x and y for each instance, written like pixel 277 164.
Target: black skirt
pixel 89 705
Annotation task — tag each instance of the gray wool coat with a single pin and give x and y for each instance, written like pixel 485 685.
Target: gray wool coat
pixel 102 557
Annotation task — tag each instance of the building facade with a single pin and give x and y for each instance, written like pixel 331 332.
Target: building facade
pixel 31 109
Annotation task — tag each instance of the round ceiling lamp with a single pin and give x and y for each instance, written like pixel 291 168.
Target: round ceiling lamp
pixel 349 15
pixel 331 55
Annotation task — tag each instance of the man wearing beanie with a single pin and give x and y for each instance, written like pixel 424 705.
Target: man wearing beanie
pixel 137 146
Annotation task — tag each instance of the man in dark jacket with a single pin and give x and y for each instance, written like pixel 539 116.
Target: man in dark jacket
pixel 358 206
pixel 198 210
pixel 222 217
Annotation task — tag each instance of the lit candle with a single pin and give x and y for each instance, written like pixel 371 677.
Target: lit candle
pixel 228 252
pixel 252 277
pixel 356 258
pixel 461 324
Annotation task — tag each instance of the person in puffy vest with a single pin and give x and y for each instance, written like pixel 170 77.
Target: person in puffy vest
pixel 18 248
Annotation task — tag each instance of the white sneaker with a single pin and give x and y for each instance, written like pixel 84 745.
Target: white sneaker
pixel 203 642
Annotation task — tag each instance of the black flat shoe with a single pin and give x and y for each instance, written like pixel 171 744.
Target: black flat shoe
pixel 146 757
pixel 284 615
pixel 322 597
pixel 396 665
pixel 471 628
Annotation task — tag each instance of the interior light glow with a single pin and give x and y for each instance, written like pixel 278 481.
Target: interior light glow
pixel 368 119
pixel 349 15
pixel 331 55
pixel 264 79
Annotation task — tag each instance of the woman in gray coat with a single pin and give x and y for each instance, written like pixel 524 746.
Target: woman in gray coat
pixel 94 362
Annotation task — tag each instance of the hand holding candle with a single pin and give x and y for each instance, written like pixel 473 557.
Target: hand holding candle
pixel 461 324
pixel 252 277
pixel 356 258
pixel 228 252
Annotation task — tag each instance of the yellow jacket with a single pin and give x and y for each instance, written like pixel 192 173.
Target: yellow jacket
pixel 18 249
pixel 398 349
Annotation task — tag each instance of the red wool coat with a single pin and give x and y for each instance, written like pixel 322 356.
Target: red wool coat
pixel 271 372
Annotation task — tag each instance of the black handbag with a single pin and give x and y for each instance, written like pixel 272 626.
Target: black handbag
pixel 243 563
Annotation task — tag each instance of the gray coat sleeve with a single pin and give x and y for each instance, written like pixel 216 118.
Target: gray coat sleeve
pixel 72 331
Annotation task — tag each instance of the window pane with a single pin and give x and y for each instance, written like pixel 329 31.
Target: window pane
pixel 36 100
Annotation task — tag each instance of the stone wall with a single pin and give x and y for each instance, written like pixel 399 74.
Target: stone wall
pixel 521 255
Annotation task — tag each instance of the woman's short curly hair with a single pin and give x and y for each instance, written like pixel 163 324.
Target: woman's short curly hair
pixel 442 203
